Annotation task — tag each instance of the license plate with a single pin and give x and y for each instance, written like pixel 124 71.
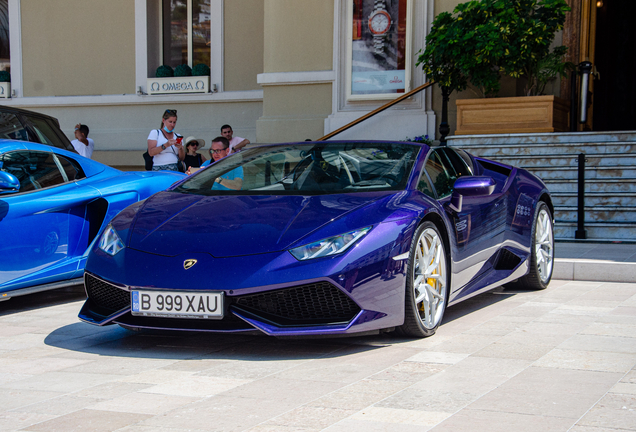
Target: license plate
pixel 177 304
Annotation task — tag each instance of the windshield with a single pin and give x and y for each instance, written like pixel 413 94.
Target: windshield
pixel 308 169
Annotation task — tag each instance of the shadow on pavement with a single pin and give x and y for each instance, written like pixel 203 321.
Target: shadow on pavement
pixel 42 299
pixel 118 342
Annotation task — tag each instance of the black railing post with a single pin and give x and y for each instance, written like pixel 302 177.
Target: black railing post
pixel 444 128
pixel 580 232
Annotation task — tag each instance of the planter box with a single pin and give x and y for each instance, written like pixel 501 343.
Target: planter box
pixel 5 90
pixel 177 85
pixel 529 114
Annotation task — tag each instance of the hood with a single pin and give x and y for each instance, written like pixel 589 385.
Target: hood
pixel 170 223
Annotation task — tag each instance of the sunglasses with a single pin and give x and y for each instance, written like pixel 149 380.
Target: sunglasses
pixel 214 151
pixel 170 111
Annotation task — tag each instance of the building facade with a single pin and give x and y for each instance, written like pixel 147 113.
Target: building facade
pixel 280 70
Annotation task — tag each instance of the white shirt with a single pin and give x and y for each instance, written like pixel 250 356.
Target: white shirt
pixel 234 141
pixel 168 156
pixel 83 149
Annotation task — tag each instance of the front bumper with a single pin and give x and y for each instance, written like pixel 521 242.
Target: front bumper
pixel 316 307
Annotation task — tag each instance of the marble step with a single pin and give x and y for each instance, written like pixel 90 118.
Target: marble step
pixel 597 173
pixel 490 150
pixel 612 186
pixel 593 199
pixel 560 138
pixel 600 231
pixel 612 214
pixel 609 232
pixel 567 160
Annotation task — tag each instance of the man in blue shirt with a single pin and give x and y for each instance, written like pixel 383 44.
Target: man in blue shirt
pixel 231 180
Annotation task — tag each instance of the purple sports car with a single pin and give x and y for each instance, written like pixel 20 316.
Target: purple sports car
pixel 322 238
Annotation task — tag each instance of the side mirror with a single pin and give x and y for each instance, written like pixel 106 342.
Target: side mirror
pixel 470 186
pixel 8 183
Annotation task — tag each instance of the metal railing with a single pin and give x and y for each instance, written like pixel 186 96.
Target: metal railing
pixel 376 111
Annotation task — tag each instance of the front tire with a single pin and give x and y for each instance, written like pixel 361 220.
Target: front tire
pixel 426 284
pixel 541 260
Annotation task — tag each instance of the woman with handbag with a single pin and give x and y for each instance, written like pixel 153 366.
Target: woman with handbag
pixel 164 145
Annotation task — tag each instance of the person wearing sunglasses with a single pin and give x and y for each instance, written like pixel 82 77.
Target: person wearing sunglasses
pixel 164 144
pixel 233 179
pixel 192 158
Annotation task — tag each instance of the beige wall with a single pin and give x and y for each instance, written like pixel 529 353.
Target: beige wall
pixel 243 44
pixel 294 112
pixel 298 35
pixel 78 47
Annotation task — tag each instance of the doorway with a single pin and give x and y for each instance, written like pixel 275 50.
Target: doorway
pixel 614 95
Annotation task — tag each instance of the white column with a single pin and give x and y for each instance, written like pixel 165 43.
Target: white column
pixel 15 45
pixel 141 45
pixel 216 44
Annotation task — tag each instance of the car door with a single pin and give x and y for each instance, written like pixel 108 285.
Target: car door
pixel 39 224
pixel 479 226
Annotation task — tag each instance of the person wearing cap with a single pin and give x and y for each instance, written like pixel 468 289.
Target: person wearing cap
pixel 192 158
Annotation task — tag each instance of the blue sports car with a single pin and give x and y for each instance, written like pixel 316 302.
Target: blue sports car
pixel 53 203
pixel 322 238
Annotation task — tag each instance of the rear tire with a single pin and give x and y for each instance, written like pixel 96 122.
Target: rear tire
pixel 426 283
pixel 541 261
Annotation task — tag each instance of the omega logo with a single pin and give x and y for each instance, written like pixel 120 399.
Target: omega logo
pixel 199 85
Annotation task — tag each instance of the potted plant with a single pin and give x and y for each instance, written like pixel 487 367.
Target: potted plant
pixel 181 79
pixel 483 40
pixel 5 84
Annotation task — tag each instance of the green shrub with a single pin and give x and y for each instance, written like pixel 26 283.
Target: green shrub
pixel 201 69
pixel 485 39
pixel 5 76
pixel 182 70
pixel 164 71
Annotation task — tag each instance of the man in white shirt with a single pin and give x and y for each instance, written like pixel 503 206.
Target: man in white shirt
pixel 82 144
pixel 236 143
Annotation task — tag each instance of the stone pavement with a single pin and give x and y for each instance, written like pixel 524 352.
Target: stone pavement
pixel 608 262
pixel 562 359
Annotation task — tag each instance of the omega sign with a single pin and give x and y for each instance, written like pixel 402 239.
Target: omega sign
pixel 5 90
pixel 198 84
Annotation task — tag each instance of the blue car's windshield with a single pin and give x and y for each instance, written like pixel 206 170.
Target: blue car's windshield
pixel 308 169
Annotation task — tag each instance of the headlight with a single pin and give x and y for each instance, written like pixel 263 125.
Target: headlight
pixel 110 241
pixel 329 246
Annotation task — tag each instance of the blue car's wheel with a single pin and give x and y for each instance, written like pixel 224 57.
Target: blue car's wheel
pixel 50 243
pixel 427 283
pixel 541 261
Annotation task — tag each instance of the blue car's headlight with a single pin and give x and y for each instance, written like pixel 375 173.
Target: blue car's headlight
pixel 110 241
pixel 329 246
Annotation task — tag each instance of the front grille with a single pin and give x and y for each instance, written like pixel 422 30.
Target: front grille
pixel 105 295
pixel 317 303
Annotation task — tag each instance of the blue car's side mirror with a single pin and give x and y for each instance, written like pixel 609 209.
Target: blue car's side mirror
pixel 470 186
pixel 8 183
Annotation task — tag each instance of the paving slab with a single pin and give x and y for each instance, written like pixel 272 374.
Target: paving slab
pixel 561 359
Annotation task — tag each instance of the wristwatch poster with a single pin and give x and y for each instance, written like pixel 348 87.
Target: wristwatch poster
pixel 379 25
pixel 379 41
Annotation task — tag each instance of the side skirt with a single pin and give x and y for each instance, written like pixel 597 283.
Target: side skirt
pixel 39 288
